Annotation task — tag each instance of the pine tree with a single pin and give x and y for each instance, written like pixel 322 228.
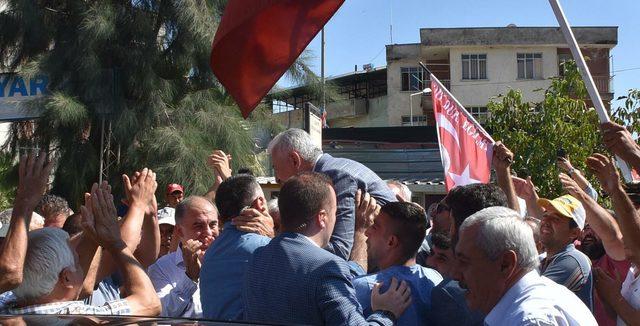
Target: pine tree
pixel 142 68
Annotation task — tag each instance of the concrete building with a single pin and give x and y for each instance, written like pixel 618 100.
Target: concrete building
pixel 477 64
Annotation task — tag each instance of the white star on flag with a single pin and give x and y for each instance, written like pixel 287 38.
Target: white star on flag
pixel 462 179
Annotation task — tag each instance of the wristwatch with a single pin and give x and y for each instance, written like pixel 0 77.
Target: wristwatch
pixel 571 171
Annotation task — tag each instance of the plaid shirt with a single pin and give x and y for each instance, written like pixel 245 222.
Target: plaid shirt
pixel 117 307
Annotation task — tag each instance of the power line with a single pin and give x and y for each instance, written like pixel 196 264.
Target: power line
pixel 627 69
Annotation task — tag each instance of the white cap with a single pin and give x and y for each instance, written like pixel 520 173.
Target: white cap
pixel 167 215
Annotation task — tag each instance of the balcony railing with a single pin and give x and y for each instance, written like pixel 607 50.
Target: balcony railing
pixel 445 82
pixel 603 83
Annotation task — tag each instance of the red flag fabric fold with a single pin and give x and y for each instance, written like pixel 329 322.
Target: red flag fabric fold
pixel 258 40
pixel 465 147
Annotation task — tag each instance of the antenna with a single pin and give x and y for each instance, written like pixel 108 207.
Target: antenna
pixel 390 21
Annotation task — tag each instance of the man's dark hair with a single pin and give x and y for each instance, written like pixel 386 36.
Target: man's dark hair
pixel 234 194
pixel 409 224
pixel 245 170
pixel 73 224
pixel 183 206
pixel 464 201
pixel 441 240
pixel 301 198
pixel 51 205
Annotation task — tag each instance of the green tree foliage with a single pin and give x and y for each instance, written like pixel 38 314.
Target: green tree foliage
pixel 142 66
pixel 535 131
pixel 629 114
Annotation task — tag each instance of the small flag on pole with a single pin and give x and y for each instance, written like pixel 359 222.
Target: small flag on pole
pixel 465 147
pixel 258 40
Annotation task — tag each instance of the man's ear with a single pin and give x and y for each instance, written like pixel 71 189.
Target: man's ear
pixel 66 277
pixel 321 218
pixel 508 263
pixel 296 159
pixel 260 204
pixel 393 241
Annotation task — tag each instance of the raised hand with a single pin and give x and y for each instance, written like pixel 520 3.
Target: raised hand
pixel 141 188
pixel 570 186
pixel 100 219
pixel 525 188
pixel 396 299
pixel 33 176
pixel 619 141
pixel 605 171
pixel 219 161
pixel 366 210
pixel 192 256
pixel 502 156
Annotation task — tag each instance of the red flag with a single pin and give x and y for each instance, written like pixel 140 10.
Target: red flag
pixel 258 40
pixel 465 147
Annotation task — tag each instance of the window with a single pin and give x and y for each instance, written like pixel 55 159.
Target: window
pixel 418 120
pixel 281 106
pixel 480 113
pixel 412 79
pixel 529 65
pixel 474 66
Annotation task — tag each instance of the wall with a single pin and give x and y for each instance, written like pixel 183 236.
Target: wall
pixel 375 117
pixel 398 56
pixel 502 73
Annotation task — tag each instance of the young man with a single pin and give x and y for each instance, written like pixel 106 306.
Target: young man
pixel 392 243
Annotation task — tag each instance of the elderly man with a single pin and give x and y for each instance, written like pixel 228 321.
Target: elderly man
pixel 497 261
pixel 562 223
pixel 53 275
pixel 293 151
pixel 392 243
pixel 400 189
pixel 293 281
pixel 225 262
pixel 176 275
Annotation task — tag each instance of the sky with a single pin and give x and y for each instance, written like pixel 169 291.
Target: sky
pixel 358 32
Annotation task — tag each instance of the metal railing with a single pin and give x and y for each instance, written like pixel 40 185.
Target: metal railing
pixel 603 83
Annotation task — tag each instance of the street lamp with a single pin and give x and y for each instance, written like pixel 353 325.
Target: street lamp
pixel 423 92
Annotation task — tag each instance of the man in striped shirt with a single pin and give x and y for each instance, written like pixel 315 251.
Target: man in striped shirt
pixel 562 222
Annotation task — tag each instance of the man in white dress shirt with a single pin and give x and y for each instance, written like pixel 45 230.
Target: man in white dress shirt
pixel 176 275
pixel 497 261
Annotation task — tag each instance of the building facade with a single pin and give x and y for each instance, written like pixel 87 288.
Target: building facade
pixel 478 64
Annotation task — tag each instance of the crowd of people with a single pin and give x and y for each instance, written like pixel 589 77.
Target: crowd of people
pixel 339 246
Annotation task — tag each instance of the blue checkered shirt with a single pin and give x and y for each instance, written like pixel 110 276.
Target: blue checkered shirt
pixel 117 307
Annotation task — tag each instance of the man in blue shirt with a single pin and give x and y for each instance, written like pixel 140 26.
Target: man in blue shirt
pixel 392 244
pixel 225 262
pixel 561 224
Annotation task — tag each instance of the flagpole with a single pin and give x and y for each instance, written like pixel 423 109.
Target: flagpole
pixel 323 100
pixel 463 110
pixel 586 76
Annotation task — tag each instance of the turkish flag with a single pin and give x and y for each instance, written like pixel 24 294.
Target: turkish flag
pixel 465 147
pixel 258 40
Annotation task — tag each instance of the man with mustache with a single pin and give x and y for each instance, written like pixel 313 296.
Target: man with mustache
pixel 176 275
pixel 601 241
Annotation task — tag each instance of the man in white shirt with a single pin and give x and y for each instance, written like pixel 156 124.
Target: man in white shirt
pixel 176 275
pixel 497 261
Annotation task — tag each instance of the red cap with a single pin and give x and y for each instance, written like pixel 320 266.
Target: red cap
pixel 173 187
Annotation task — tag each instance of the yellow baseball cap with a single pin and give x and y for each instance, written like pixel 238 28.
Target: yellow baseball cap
pixel 568 206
